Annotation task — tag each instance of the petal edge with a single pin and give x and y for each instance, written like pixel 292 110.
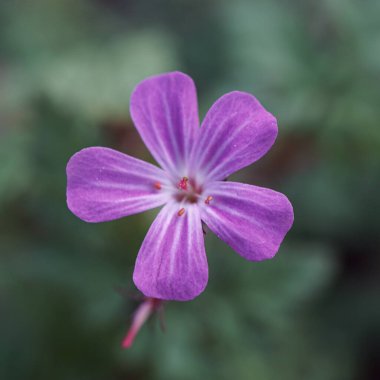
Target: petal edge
pixel 252 220
pixel 164 109
pixel 236 132
pixel 172 263
pixel 104 184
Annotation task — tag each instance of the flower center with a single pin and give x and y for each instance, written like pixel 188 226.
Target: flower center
pixel 188 190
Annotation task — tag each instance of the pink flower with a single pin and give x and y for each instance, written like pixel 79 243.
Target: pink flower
pixel 104 184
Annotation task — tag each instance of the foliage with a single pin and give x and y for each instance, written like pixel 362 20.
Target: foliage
pixel 66 72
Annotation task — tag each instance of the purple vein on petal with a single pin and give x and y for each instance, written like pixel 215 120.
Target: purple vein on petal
pixel 172 263
pixel 173 141
pixel 168 161
pixel 211 166
pixel 165 112
pixel 103 184
pixel 252 220
pixel 236 131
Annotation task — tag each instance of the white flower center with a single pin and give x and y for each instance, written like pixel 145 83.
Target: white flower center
pixel 186 191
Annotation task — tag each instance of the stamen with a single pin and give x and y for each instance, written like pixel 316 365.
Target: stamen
pixel 181 211
pixel 183 183
pixel 208 199
pixel 157 185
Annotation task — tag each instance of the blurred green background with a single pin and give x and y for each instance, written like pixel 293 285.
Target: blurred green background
pixel 67 69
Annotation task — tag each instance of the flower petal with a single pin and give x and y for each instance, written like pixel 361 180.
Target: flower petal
pixel 103 184
pixel 165 112
pixel 252 220
pixel 236 131
pixel 172 263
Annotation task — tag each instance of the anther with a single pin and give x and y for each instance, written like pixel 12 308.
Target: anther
pixel 208 200
pixel 183 183
pixel 157 185
pixel 181 212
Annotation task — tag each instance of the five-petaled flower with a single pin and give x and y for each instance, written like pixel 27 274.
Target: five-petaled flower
pixel 104 184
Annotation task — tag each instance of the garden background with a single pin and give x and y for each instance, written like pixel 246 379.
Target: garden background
pixel 67 69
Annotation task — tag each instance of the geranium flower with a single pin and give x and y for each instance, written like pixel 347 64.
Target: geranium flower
pixel 104 184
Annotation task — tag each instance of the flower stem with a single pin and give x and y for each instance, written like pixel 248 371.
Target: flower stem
pixel 140 317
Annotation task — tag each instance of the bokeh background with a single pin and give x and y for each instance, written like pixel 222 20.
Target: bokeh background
pixel 67 69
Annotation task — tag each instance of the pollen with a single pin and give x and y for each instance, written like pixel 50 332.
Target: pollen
pixel 157 185
pixel 183 183
pixel 208 199
pixel 181 211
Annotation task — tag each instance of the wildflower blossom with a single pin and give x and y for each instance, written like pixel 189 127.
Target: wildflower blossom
pixel 104 184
